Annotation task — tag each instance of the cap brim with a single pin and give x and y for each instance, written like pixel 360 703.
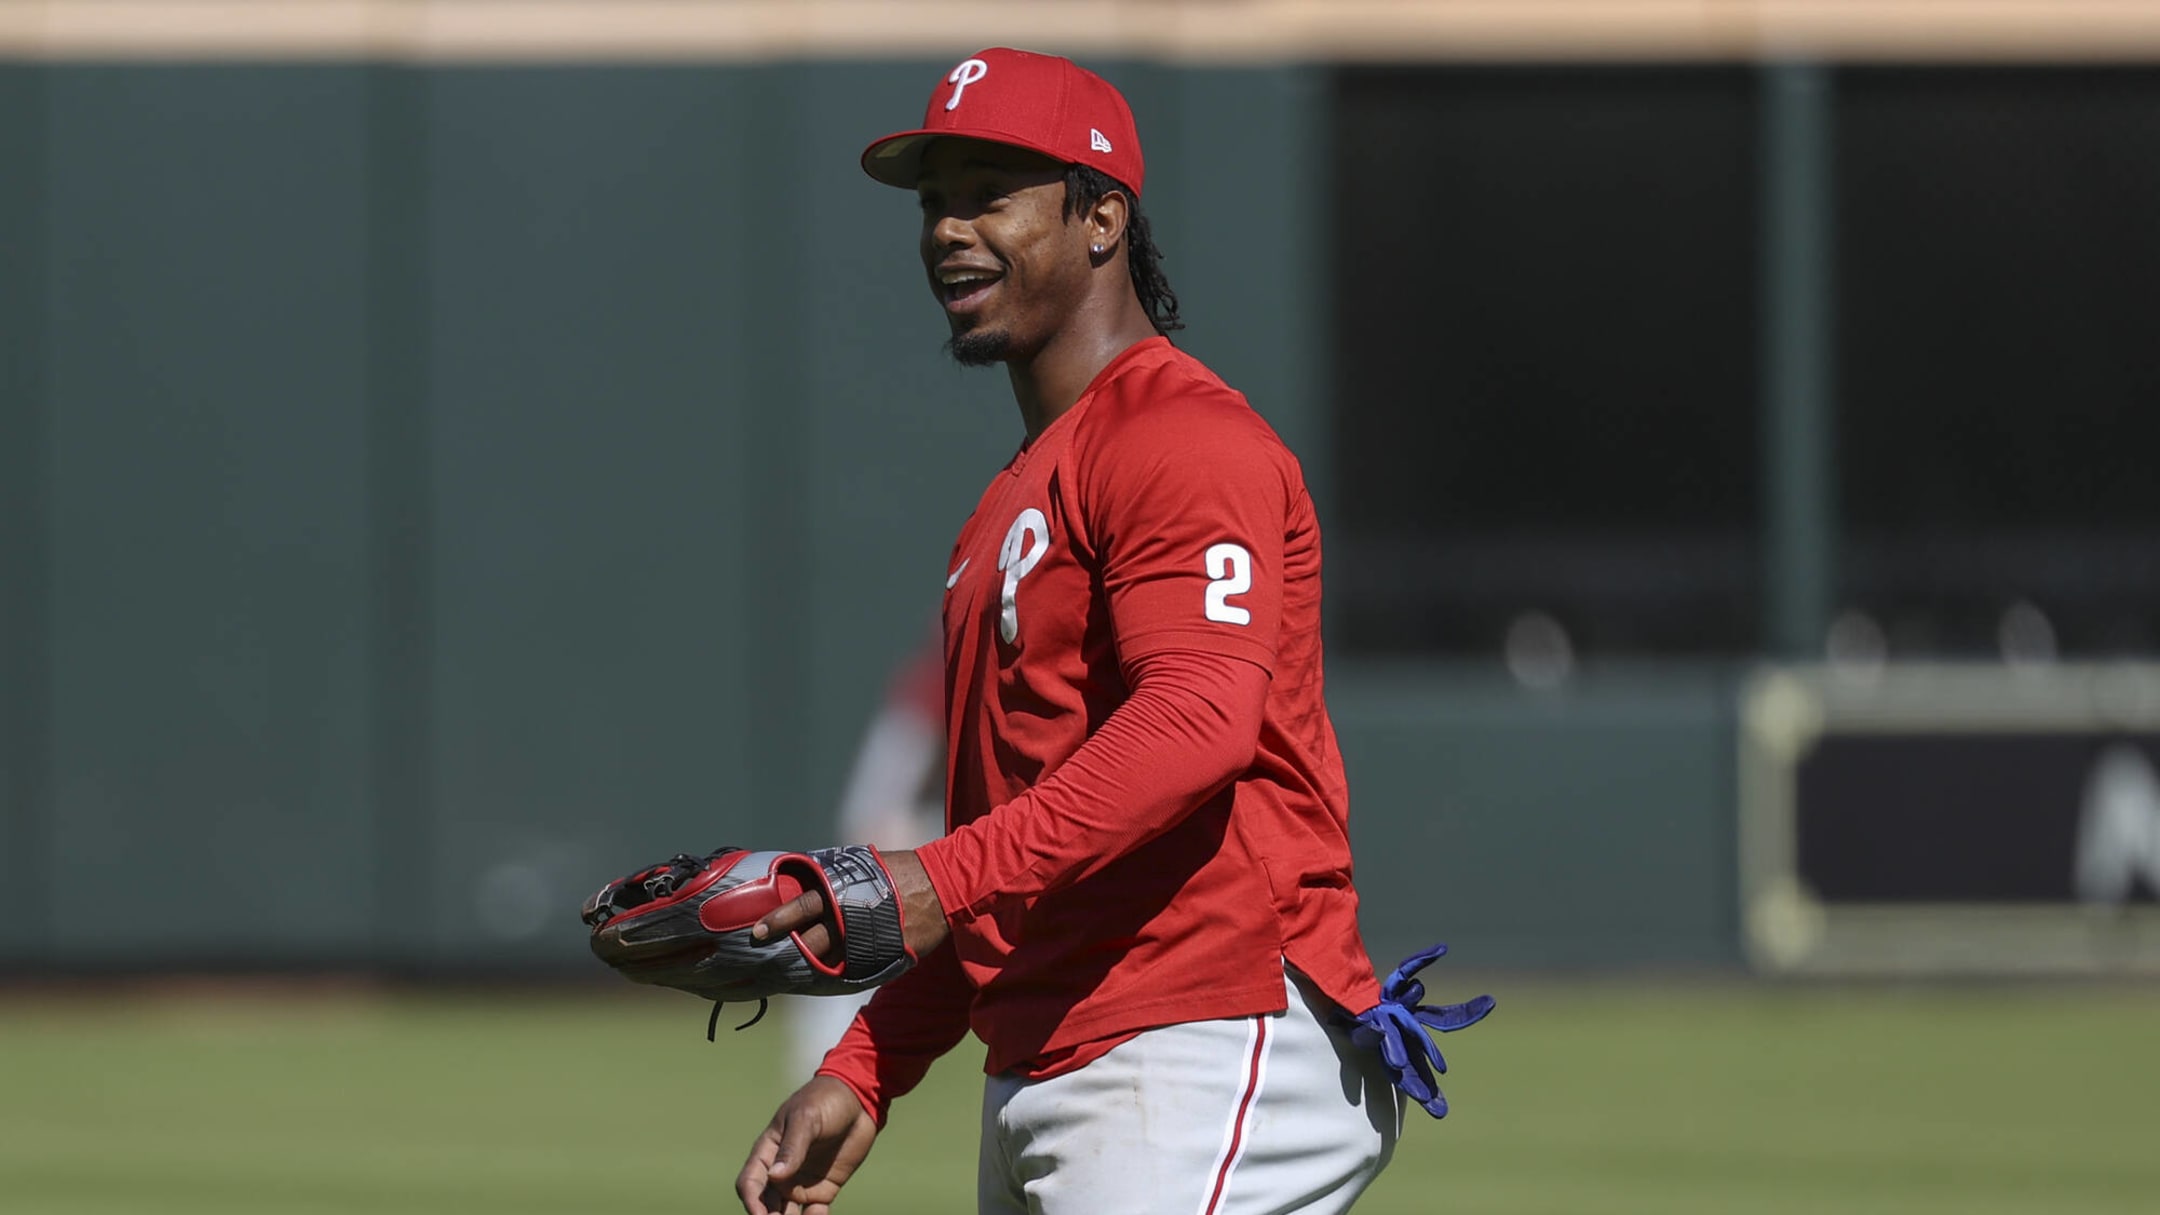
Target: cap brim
pixel 896 160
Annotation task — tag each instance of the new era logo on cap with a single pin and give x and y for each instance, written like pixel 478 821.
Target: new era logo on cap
pixel 1042 103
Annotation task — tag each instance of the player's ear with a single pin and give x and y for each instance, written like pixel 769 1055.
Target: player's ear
pixel 1105 220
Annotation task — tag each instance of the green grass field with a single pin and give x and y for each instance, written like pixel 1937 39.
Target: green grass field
pixel 1575 1098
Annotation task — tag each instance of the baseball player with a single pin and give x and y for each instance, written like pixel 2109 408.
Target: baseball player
pixel 1142 903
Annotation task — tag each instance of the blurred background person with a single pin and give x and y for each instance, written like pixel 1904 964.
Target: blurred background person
pixel 894 798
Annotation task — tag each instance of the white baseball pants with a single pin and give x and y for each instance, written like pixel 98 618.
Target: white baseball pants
pixel 1251 1116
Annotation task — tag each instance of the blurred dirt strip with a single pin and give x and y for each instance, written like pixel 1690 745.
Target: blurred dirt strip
pixel 1177 30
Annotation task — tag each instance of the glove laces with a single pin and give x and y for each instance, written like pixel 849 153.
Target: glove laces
pixel 712 1023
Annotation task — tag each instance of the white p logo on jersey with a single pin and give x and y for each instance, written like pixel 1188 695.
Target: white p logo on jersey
pixel 967 73
pixel 1025 543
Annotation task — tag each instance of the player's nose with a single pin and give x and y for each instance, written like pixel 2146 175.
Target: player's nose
pixel 951 232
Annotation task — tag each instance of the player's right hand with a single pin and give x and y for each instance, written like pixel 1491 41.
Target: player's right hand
pixel 813 1144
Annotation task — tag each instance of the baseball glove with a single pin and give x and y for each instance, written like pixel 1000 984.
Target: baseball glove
pixel 685 923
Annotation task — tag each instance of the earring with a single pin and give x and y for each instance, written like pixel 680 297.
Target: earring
pixel 1098 250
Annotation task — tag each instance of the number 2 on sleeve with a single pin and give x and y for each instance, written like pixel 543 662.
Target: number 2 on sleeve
pixel 1229 567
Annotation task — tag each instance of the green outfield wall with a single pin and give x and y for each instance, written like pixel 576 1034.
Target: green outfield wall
pixel 425 491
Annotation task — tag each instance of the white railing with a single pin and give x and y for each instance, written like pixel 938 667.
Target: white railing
pixel 1179 30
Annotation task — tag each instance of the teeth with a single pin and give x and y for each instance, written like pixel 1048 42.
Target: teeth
pixel 962 278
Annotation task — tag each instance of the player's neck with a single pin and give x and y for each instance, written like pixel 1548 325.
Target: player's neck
pixel 1049 382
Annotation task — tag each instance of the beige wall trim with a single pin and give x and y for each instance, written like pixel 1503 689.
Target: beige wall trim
pixel 1176 30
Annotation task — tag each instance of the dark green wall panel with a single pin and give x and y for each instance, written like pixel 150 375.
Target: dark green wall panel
pixel 589 265
pixel 23 683
pixel 400 490
pixel 1586 829
pixel 205 383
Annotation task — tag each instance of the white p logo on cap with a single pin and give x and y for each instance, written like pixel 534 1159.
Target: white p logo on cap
pixel 969 71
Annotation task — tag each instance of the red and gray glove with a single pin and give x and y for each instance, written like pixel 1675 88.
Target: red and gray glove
pixel 685 923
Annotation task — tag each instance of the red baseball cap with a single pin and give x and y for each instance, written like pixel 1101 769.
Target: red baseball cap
pixel 1039 102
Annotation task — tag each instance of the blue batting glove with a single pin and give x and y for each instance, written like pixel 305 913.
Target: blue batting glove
pixel 1396 1028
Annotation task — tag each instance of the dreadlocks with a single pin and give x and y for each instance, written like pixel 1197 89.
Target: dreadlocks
pixel 1084 187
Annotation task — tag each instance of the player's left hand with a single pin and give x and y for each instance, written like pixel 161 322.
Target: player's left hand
pixel 689 923
pixel 922 913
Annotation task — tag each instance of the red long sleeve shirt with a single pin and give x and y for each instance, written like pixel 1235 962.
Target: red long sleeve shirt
pixel 1146 810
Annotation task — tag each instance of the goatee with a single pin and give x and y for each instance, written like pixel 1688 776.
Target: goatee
pixel 976 349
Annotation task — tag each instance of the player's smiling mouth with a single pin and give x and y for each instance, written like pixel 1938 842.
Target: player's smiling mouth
pixel 961 287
